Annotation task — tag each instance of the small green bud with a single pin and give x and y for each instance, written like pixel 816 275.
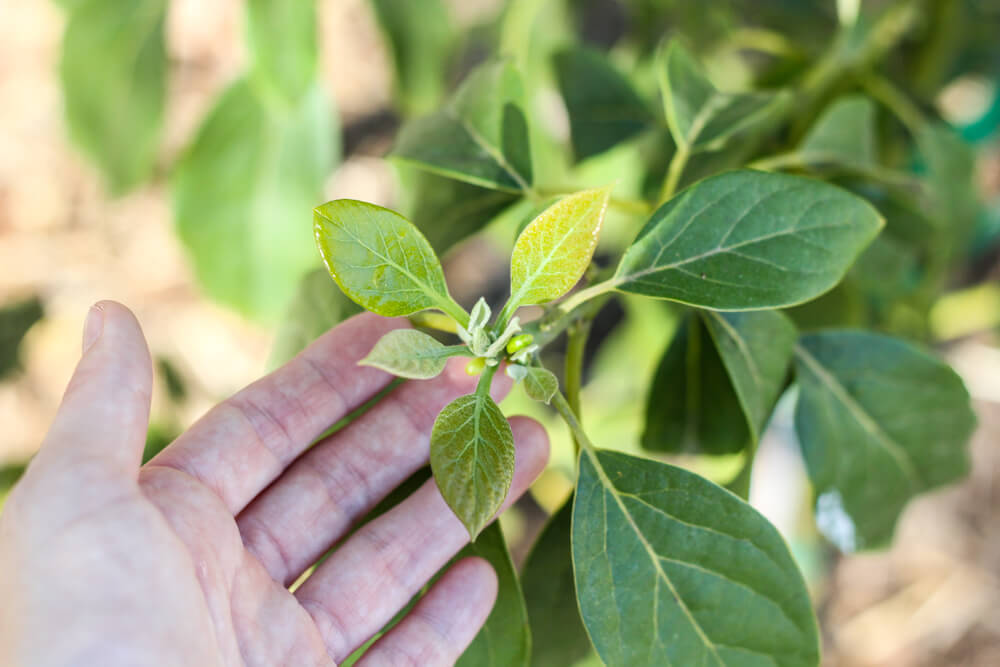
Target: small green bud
pixel 518 343
pixel 476 366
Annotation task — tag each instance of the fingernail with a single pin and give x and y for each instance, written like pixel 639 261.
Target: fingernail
pixel 93 327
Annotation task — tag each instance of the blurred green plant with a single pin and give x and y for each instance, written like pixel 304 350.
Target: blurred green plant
pixel 781 188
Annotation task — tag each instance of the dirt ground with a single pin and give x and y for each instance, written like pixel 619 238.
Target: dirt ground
pixel 933 599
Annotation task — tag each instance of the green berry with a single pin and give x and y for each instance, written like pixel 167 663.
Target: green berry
pixel 476 366
pixel 518 343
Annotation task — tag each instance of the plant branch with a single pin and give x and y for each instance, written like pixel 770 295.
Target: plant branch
pixel 674 171
pixel 895 100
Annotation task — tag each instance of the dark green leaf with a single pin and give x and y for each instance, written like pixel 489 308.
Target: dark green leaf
pixel 282 40
pixel 481 137
pixel 420 37
pixel 604 109
pixel 951 166
pixel 411 354
pixel 756 348
pixel 9 474
pixel 243 196
pixel 447 211
pixel 114 79
pixel 317 307
pixel 692 406
pixel 673 570
pixel 505 640
pixel 747 240
pixel 879 421
pixel 698 114
pixel 15 321
pixel 472 456
pixel 557 634
pixel 843 135
pixel 379 259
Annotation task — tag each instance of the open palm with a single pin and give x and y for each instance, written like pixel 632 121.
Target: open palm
pixel 187 560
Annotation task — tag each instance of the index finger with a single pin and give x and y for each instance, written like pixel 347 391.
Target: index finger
pixel 244 443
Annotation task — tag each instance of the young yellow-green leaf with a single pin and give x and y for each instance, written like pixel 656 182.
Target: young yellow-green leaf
pixel 699 115
pixel 540 384
pixel 554 250
pixel 673 570
pixel 879 421
pixel 756 348
pixel 242 194
pixel 472 456
pixel 114 79
pixel 557 633
pixel 692 406
pixel 282 39
pixel 411 354
pixel 748 240
pixel 843 135
pixel 379 259
pixel 480 137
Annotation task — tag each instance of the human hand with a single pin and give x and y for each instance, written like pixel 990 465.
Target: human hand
pixel 187 560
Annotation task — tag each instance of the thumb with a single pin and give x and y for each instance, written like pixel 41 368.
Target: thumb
pixel 102 421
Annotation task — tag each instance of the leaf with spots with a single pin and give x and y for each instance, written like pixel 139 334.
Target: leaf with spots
pixel 472 456
pixel 673 570
pixel 748 240
pixel 380 260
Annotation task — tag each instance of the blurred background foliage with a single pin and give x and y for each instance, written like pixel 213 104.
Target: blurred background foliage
pixel 168 154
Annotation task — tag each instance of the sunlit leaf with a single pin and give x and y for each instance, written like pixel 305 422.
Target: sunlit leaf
pixel 673 570
pixel 699 115
pixel 557 633
pixel 379 259
pixel 748 240
pixel 114 78
pixel 411 354
pixel 472 456
pixel 480 137
pixel 243 195
pixel 604 108
pixel 879 421
pixel 282 44
pixel 552 253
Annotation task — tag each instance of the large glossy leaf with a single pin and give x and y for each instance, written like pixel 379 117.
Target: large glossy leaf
pixel 604 109
pixel 318 306
pixel 445 210
pixel 879 421
pixel 420 37
pixel 699 115
pixel 411 354
pixel 243 194
pixel 558 637
pixel 843 135
pixel 505 639
pixel 756 348
pixel 480 137
pixel 748 240
pixel 552 253
pixel 16 319
pixel 379 259
pixel 282 41
pixel 692 406
pixel 114 78
pixel 472 456
pixel 673 570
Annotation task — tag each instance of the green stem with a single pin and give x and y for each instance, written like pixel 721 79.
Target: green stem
pixel 562 406
pixel 623 204
pixel 577 299
pixel 576 345
pixel 450 307
pixel 674 171
pixel 895 100
pixel 486 380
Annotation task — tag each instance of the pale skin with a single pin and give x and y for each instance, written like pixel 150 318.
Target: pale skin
pixel 187 560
